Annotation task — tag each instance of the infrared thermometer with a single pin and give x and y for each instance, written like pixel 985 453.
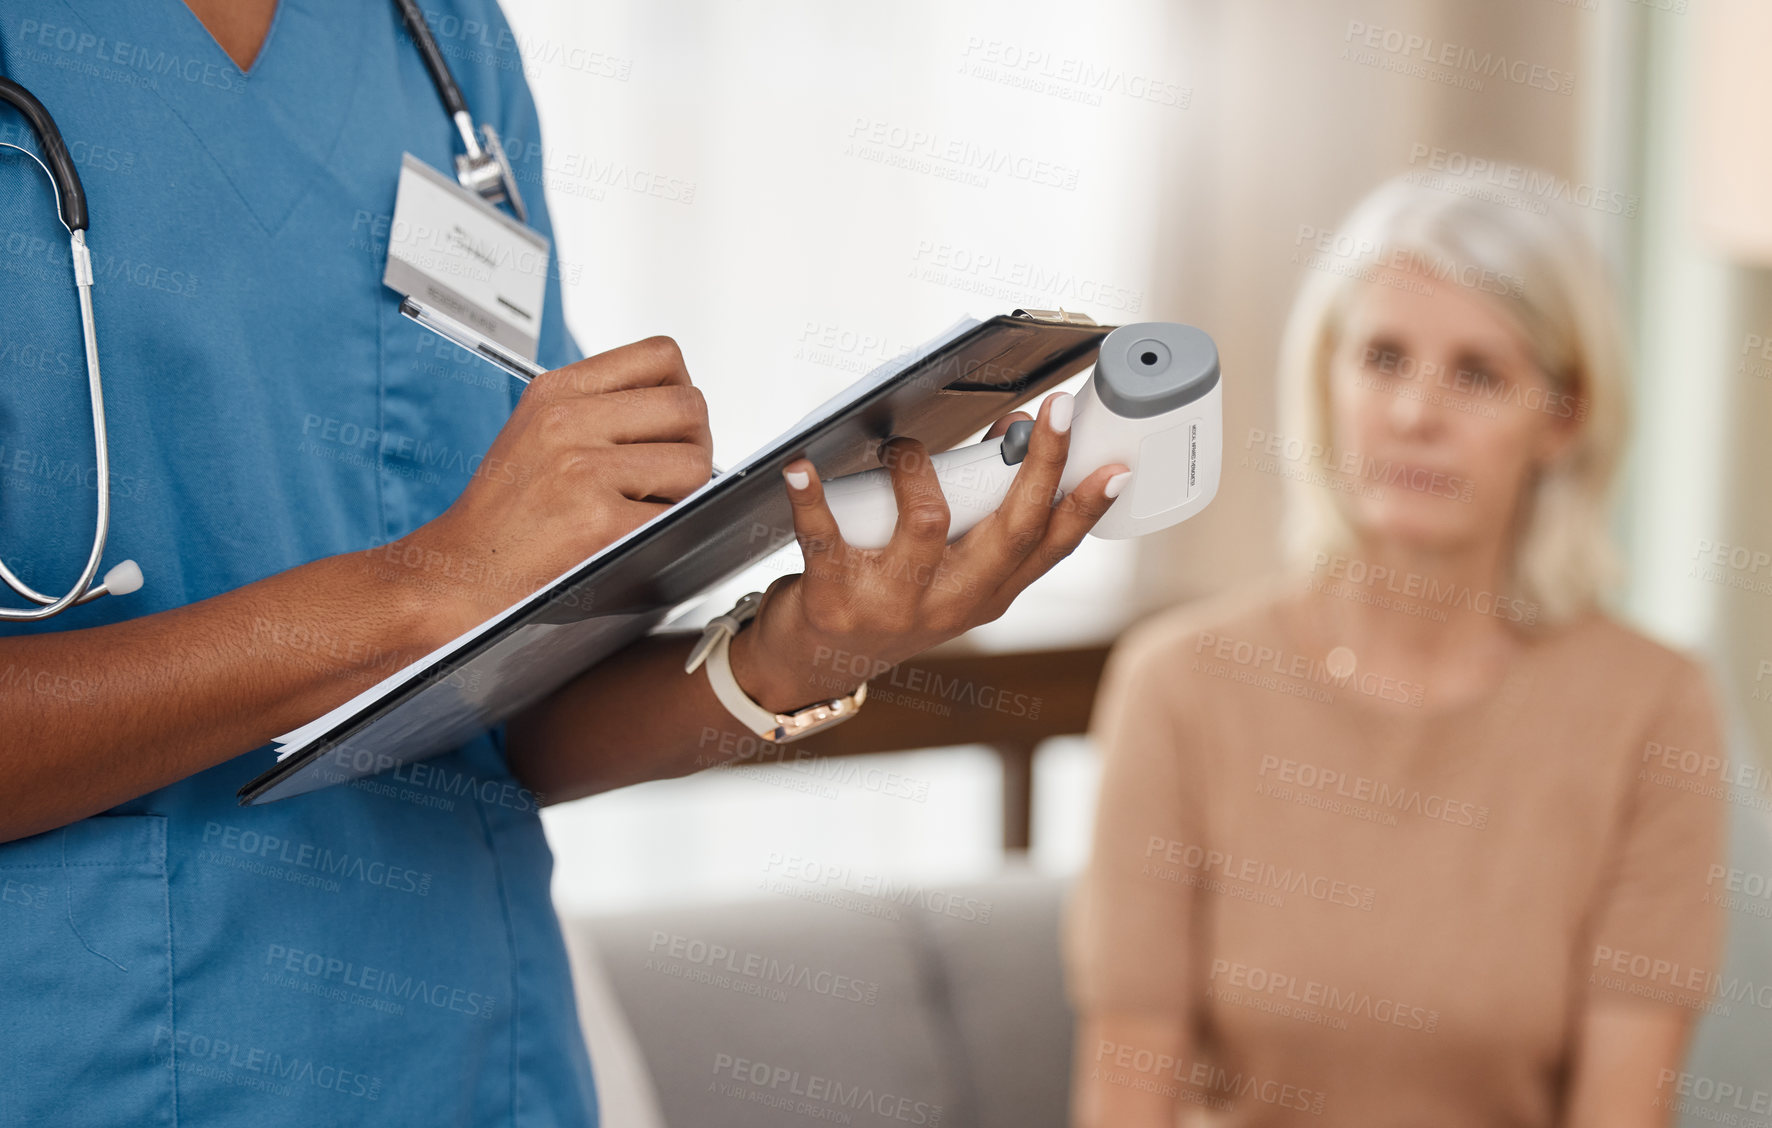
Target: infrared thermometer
pixel 1153 403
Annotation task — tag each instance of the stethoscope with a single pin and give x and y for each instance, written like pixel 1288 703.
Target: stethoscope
pixel 483 169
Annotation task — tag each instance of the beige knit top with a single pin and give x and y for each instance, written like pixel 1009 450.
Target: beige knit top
pixel 1374 910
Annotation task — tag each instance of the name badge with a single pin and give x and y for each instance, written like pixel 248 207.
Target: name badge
pixel 451 251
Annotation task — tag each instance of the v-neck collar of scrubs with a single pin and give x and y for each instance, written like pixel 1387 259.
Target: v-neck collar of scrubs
pixel 270 129
pixel 258 52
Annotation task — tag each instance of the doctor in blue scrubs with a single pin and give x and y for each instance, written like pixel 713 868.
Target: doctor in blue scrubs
pixel 318 492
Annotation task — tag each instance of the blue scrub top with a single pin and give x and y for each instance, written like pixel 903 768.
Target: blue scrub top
pixel 385 951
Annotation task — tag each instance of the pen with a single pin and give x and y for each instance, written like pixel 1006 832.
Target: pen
pixel 472 340
pixel 478 343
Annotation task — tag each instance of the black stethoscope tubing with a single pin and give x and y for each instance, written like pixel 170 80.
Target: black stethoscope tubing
pixel 70 196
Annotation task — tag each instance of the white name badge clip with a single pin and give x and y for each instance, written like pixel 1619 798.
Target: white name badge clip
pixel 452 253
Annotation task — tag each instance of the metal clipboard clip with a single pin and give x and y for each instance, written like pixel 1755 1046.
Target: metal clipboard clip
pixel 1055 316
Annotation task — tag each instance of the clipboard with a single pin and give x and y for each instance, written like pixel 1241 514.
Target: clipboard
pixel 941 393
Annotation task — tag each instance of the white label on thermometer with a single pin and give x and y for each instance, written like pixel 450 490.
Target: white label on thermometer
pixel 1163 458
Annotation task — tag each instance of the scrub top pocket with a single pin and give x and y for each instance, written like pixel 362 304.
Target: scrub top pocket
pixel 86 992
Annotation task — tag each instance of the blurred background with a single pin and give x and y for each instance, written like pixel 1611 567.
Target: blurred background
pixel 797 191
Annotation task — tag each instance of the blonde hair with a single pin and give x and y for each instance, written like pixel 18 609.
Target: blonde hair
pixel 1529 256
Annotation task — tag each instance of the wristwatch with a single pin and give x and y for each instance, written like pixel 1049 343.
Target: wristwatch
pixel 716 639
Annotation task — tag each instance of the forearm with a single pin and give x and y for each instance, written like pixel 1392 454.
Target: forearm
pixel 1128 1070
pixel 1624 1057
pixel 638 717
pixel 95 717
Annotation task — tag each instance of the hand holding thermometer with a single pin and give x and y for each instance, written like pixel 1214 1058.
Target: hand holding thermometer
pixel 1153 403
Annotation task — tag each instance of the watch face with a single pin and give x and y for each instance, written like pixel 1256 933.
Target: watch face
pixel 815 717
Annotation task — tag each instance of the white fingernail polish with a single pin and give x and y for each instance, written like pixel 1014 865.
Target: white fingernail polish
pixel 1062 406
pixel 797 478
pixel 1117 483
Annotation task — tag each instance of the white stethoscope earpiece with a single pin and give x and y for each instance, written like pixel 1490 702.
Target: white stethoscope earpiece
pixel 124 579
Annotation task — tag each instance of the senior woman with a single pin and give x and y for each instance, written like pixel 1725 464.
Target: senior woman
pixel 1392 839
